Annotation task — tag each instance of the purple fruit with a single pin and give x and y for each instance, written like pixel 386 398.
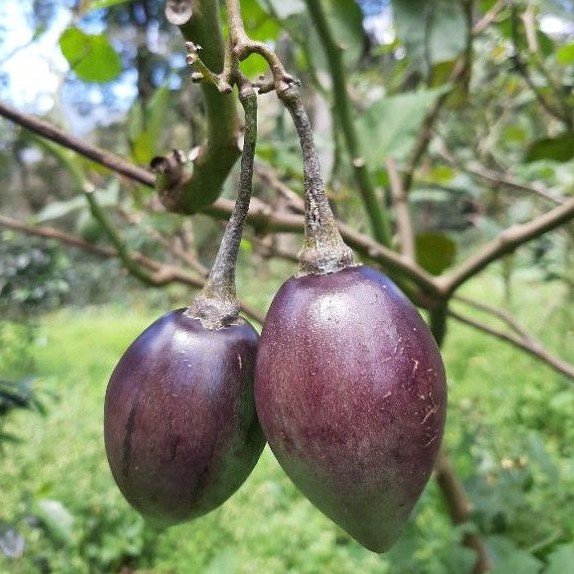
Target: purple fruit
pixel 351 394
pixel 180 426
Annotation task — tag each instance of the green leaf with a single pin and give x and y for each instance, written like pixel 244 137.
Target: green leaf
pixel 561 559
pixel 91 56
pixel 508 559
pixel 435 252
pixel 58 209
pixel 261 26
pixel 565 54
pixel 431 31
pixel 146 125
pixel 390 125
pixel 559 149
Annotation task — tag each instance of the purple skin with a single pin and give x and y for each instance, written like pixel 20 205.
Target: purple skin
pixel 350 390
pixel 180 426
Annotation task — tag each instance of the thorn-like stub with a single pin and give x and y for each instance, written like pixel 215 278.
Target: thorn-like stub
pixel 178 12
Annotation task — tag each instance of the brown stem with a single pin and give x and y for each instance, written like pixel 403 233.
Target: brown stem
pixel 343 113
pixel 260 215
pixel 324 250
pixel 52 133
pixel 217 304
pixel 271 179
pixel 497 178
pixel 522 68
pixel 459 509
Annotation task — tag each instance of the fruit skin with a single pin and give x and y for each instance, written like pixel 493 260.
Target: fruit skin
pixel 180 426
pixel 351 394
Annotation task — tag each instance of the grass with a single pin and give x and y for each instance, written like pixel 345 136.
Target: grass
pixel 509 434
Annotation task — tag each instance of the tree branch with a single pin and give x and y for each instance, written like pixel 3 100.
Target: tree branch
pixel 521 67
pixel 260 215
pixel 506 242
pixel 201 24
pixel 52 133
pixel 496 178
pixel 520 338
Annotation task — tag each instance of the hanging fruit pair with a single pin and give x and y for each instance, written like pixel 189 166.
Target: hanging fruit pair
pixel 349 384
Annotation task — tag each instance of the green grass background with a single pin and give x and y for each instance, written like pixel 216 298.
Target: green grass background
pixel 509 431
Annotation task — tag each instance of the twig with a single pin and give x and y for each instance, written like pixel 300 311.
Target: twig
pixel 506 242
pixel 176 251
pixel 500 314
pixel 268 176
pixel 488 18
pixel 403 214
pixel 527 344
pixel 521 67
pixel 122 251
pixel 497 178
pixel 426 130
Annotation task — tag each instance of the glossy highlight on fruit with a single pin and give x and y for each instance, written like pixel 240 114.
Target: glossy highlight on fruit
pixel 180 426
pixel 351 394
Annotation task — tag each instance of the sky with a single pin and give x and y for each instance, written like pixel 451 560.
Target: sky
pixel 32 69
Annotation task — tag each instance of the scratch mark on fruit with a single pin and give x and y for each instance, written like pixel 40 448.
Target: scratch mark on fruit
pixel 240 362
pixel 430 412
pixel 416 365
pixel 428 443
pixel 387 395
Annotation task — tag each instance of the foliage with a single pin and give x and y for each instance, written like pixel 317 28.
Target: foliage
pixel 31 276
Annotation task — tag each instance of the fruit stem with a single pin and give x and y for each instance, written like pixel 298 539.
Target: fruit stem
pixel 324 250
pixel 217 305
